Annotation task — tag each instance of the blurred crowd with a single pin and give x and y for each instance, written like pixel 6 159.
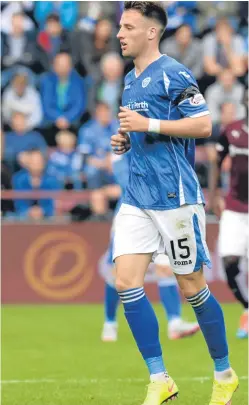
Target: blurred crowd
pixel 62 77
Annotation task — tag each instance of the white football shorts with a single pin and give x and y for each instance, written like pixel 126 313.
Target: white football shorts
pixel 233 234
pixel 179 233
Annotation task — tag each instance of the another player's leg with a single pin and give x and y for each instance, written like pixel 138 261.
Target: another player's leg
pixel 110 328
pixel 111 299
pixel 171 301
pixel 130 272
pixel 233 239
pixel 237 283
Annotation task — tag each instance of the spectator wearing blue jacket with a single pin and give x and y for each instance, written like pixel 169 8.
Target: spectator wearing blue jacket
pixel 63 94
pixel 65 163
pixel 182 12
pixel 20 140
pixel 36 178
pixel 94 144
pixel 66 10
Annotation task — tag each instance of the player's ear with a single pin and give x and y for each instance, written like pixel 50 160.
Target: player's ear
pixel 152 33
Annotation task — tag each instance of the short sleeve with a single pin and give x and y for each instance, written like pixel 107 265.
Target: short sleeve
pixel 183 91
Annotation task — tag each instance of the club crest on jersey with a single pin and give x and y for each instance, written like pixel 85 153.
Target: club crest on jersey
pixel 146 81
pixel 197 99
pixel 185 74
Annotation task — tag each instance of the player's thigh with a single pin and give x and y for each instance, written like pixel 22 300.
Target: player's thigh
pixel 135 241
pixel 134 232
pixel 184 235
pixel 131 270
pixel 233 234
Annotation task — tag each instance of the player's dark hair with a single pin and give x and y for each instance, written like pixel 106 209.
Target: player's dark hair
pixel 149 9
pixel 53 17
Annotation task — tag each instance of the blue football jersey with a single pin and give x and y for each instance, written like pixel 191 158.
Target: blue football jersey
pixel 121 169
pixel 162 172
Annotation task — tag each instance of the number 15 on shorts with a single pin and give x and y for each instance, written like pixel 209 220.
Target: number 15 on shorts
pixel 180 252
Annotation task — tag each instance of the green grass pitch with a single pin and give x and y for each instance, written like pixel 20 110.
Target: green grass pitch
pixel 52 355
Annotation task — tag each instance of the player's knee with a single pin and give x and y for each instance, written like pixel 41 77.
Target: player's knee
pixel 123 283
pixel 191 284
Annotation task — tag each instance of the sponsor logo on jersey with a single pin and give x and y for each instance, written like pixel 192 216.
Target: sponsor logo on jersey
pixel 185 74
pixel 235 133
pixel 234 150
pixel 197 100
pixel 146 81
pixel 171 195
pixel 182 262
pixel 135 106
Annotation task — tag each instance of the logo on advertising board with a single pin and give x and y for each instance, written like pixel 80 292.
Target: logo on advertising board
pixel 56 265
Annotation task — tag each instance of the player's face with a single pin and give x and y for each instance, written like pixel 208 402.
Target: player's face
pixel 134 34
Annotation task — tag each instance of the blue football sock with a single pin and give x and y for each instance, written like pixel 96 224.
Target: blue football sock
pixel 170 297
pixel 111 303
pixel 144 326
pixel 210 317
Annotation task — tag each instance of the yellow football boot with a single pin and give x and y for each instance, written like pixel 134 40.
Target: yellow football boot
pixel 160 392
pixel 223 391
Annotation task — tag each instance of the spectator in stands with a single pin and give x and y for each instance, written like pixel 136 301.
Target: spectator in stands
pixel 7 206
pixel 67 11
pixel 225 89
pixel 63 95
pixel 24 98
pixel 94 144
pixel 184 48
pixel 8 8
pixel 89 47
pixel 181 12
pixel 52 40
pixel 18 47
pixel 20 140
pixel 223 49
pixel 108 89
pixel 66 164
pixel 35 178
pixel 228 114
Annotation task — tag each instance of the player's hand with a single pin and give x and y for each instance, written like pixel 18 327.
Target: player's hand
pixel 218 206
pixel 120 143
pixel 131 121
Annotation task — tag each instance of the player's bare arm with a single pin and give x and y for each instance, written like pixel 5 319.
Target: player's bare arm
pixel 217 202
pixel 200 127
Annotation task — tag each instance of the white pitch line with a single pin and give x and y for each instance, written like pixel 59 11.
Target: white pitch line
pixel 102 380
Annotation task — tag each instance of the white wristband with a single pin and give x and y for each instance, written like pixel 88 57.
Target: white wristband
pixel 154 126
